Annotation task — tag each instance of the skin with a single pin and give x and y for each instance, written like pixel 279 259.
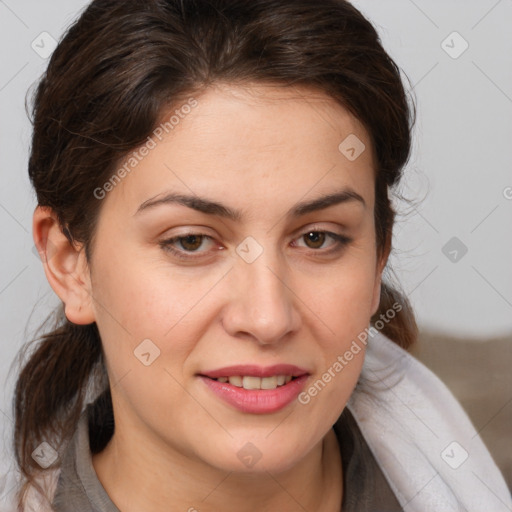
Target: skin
pixel 259 149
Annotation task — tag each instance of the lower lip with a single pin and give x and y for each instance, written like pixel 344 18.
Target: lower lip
pixel 257 401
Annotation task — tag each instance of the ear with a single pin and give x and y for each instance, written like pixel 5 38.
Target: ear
pixel 65 266
pixel 381 263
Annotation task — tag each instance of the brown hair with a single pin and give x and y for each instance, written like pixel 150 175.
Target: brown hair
pixel 112 75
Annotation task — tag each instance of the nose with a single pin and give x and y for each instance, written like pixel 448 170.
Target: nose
pixel 262 305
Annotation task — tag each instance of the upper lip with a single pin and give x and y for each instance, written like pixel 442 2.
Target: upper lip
pixel 255 371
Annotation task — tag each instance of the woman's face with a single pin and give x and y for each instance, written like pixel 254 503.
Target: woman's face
pixel 260 283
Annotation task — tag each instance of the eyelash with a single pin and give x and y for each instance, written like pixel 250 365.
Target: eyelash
pixel 341 242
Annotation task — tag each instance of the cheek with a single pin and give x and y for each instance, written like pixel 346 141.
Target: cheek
pixel 350 299
pixel 342 308
pixel 147 300
pixel 149 324
pixel 147 296
pixel 343 298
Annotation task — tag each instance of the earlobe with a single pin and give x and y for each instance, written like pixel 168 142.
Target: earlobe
pixel 65 266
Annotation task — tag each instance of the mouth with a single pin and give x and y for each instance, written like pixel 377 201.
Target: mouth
pixel 257 390
pixel 252 382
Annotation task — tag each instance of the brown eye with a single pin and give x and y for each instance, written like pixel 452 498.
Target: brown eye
pixel 185 245
pixel 318 241
pixel 314 239
pixel 191 242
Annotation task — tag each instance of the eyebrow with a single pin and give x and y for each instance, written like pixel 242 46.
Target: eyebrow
pixel 209 207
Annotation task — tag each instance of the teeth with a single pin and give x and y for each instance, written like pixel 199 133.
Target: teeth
pixel 236 381
pixel 250 382
pixel 269 382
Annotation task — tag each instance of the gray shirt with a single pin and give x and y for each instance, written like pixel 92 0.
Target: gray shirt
pixel 365 487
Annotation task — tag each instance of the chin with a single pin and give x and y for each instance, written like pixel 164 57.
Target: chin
pixel 256 454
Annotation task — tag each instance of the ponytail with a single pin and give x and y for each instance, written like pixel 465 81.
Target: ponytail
pixel 50 393
pixel 399 323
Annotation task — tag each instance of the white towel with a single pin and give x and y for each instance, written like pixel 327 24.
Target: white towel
pixel 425 444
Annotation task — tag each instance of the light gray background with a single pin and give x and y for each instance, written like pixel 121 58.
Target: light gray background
pixel 460 172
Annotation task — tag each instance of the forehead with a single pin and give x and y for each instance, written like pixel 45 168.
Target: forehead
pixel 261 118
pixel 257 143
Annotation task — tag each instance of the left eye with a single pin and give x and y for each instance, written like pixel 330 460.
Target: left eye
pixel 317 238
pixel 191 242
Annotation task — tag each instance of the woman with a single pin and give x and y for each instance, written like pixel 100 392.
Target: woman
pixel 212 181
